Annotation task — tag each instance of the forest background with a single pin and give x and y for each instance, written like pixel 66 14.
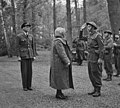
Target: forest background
pixel 45 16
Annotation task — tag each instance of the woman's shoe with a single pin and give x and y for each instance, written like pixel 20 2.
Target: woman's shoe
pixel 91 93
pixel 60 96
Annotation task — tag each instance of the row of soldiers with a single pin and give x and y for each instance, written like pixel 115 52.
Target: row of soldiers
pixel 111 50
pixel 101 48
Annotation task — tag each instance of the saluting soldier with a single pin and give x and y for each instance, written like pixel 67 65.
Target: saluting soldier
pixel 116 55
pixel 108 46
pixel 26 53
pixel 95 47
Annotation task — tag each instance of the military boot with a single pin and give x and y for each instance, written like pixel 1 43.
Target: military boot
pixel 110 77
pixel 97 93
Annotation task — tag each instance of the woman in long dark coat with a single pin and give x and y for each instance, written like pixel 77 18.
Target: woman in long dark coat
pixel 61 67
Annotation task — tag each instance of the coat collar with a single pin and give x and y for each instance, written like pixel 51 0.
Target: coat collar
pixel 62 40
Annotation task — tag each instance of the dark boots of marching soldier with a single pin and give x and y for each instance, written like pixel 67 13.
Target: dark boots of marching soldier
pixel 109 78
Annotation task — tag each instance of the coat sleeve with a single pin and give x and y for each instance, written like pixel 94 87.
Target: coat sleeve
pixel 101 46
pixel 33 47
pixel 110 44
pixel 61 52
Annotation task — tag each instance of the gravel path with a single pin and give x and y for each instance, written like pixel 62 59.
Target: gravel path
pixel 12 95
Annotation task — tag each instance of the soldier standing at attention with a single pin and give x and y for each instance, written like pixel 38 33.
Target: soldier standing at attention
pixel 108 45
pixel 95 47
pixel 26 53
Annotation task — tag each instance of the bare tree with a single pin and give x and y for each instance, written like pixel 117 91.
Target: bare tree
pixel 24 10
pixel 77 13
pixel 114 14
pixel 84 16
pixel 54 15
pixel 4 29
pixel 84 11
pixel 13 17
pixel 33 26
pixel 69 25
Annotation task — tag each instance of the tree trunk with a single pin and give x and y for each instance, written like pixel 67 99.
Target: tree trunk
pixel 33 26
pixel 114 15
pixel 77 17
pixel 13 17
pixel 4 30
pixel 69 25
pixel 84 16
pixel 14 26
pixel 54 15
pixel 84 11
pixel 24 11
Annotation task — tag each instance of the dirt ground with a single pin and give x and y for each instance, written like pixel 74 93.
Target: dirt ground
pixel 42 96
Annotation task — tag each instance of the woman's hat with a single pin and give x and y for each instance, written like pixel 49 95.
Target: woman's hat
pixel 59 31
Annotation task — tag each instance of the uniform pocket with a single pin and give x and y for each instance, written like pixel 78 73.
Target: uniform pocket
pixel 23 52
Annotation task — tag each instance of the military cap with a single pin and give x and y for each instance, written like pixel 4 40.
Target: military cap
pixel 25 25
pixel 92 24
pixel 108 31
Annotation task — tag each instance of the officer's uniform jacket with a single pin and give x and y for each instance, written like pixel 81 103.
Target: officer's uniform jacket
pixel 95 47
pixel 25 46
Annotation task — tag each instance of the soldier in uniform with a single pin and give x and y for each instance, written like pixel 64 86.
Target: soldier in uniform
pixel 108 46
pixel 117 55
pixel 80 50
pixel 95 47
pixel 26 53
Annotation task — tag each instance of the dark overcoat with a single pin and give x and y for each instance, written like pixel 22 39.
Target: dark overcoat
pixel 25 46
pixel 60 73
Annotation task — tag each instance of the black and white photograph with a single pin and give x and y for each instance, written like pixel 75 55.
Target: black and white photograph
pixel 59 53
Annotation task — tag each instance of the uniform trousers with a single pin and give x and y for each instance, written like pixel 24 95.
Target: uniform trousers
pixel 95 74
pixel 118 63
pixel 108 63
pixel 26 72
pixel 115 60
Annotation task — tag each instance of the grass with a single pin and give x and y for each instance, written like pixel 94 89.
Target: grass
pixel 12 95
